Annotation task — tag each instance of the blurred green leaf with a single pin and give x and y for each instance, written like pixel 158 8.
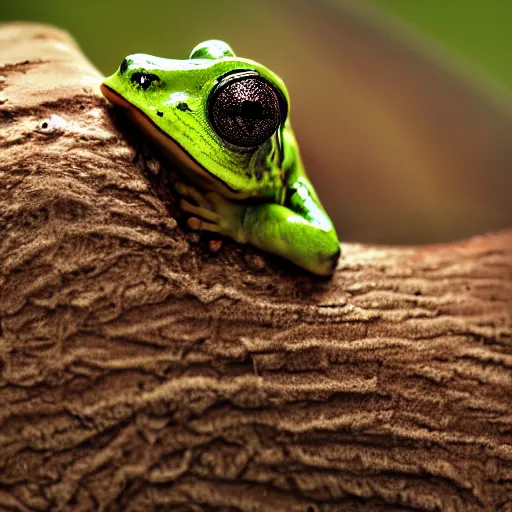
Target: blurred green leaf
pixel 477 30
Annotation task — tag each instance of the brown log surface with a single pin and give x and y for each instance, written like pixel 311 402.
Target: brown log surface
pixel 140 372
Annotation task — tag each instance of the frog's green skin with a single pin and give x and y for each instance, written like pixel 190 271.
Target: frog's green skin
pixel 258 195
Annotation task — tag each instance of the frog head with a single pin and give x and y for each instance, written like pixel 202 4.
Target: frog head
pixel 215 114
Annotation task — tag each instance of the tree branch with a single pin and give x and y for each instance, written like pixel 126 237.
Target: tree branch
pixel 140 372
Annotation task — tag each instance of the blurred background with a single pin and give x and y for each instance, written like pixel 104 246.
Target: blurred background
pixel 402 108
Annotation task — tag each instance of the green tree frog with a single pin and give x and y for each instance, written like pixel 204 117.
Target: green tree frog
pixel 224 121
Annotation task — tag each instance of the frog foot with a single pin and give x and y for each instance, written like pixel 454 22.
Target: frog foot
pixel 212 213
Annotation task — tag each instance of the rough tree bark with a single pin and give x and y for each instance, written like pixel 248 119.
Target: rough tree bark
pixel 140 372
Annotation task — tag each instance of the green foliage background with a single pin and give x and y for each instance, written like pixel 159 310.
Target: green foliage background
pixel 477 30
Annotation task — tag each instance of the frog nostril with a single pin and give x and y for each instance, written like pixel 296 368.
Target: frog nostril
pixel 124 66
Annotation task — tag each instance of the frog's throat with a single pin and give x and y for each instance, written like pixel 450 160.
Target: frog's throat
pixel 174 151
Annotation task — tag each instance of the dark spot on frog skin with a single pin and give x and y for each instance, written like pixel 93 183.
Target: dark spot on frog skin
pixel 159 113
pixel 183 107
pixel 124 66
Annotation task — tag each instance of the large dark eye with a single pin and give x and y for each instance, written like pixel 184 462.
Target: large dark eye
pixel 244 109
pixel 144 80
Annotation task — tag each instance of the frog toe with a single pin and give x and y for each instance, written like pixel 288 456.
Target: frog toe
pixel 204 213
pixel 192 193
pixel 200 225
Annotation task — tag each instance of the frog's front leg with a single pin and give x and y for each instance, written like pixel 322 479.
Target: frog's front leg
pixel 212 213
pixel 271 227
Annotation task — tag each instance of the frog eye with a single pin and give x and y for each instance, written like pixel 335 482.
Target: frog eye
pixel 143 79
pixel 245 109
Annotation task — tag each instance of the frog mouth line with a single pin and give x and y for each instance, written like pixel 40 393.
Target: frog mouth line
pixel 117 99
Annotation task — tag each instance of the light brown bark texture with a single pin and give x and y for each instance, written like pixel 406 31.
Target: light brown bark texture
pixel 140 372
